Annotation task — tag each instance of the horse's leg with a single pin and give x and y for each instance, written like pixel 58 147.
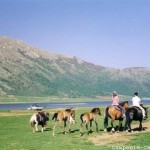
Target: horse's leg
pixel 64 132
pixel 42 127
pixel 45 126
pixel 69 127
pixel 112 121
pixel 127 126
pixel 36 128
pixel 120 125
pixel 33 126
pixel 81 130
pixel 54 128
pixel 61 126
pixel 140 126
pixel 87 128
pixel 96 125
pixel 90 126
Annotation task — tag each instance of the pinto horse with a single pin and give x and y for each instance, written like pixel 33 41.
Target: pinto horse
pixel 134 113
pixel 89 117
pixel 63 116
pixel 39 118
pixel 114 114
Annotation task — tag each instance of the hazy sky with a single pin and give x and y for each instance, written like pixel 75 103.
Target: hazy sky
pixel 111 33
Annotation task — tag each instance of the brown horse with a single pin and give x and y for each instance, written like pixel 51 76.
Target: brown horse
pixel 89 117
pixel 114 113
pixel 63 116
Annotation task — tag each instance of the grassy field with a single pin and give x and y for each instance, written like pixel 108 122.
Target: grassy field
pixel 16 134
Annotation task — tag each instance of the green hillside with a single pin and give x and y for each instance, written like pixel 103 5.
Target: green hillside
pixel 28 71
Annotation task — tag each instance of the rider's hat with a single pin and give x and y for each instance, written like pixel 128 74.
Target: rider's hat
pixel 136 93
pixel 114 93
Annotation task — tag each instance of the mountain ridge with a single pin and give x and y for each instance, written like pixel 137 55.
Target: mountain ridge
pixel 26 70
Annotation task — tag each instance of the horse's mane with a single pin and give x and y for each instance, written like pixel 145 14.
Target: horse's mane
pixel 122 103
pixel 94 110
pixel 68 109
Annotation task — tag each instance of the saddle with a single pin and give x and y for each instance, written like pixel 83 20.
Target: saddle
pixel 138 109
pixel 116 106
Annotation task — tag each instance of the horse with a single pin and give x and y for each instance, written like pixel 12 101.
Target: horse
pixel 114 113
pixel 134 113
pixel 89 117
pixel 63 116
pixel 39 118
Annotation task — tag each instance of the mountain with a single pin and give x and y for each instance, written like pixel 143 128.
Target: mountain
pixel 29 71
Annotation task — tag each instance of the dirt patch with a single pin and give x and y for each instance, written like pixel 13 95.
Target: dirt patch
pixel 114 139
pixel 12 114
pixel 110 138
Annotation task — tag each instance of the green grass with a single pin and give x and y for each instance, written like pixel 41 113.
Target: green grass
pixel 16 134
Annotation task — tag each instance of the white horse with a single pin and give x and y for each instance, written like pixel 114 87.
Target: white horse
pixel 39 118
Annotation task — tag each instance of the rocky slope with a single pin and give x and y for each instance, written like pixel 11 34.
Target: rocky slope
pixel 29 71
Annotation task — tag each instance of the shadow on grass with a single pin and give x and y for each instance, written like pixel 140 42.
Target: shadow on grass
pixel 67 132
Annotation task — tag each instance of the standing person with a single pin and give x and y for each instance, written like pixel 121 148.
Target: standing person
pixel 115 102
pixel 136 101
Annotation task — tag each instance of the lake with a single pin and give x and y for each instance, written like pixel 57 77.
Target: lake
pixel 24 106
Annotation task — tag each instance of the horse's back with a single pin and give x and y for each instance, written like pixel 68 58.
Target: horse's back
pixel 114 112
pixel 134 113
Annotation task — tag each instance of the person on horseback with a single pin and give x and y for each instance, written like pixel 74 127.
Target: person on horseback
pixel 115 102
pixel 136 101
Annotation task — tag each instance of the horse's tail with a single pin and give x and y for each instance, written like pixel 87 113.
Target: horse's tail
pixel 81 117
pixel 129 116
pixel 55 116
pixel 106 118
pixel 32 120
pixel 32 123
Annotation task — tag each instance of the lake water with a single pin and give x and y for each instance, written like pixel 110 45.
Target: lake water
pixel 23 106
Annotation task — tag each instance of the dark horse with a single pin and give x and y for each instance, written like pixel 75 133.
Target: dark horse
pixel 114 113
pixel 63 116
pixel 89 117
pixel 134 113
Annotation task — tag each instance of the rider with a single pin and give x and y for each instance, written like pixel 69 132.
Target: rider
pixel 115 102
pixel 136 101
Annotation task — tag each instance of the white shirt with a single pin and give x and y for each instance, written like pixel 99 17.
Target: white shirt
pixel 136 101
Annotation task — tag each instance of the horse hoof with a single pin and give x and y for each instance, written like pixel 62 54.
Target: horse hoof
pixel 64 132
pixel 81 134
pixel 113 130
pixel 91 131
pixel 105 130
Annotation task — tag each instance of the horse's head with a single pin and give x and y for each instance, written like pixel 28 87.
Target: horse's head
pixel 125 104
pixel 96 111
pixel 47 116
pixel 44 115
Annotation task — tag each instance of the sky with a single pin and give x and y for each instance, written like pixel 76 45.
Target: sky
pixel 110 33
